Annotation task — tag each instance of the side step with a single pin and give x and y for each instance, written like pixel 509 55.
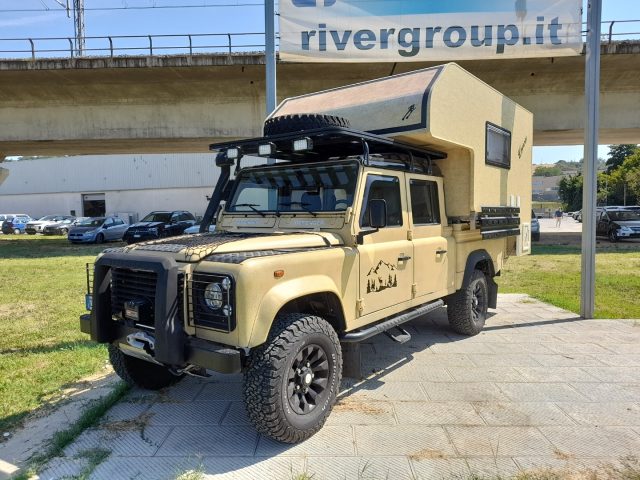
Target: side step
pixel 398 334
pixel 360 335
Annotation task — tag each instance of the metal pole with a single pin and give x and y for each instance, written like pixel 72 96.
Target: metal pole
pixel 592 99
pixel 270 54
pixel 78 14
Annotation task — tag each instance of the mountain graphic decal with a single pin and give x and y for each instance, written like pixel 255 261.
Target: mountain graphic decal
pixel 381 277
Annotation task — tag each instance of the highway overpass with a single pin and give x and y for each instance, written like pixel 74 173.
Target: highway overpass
pixel 181 103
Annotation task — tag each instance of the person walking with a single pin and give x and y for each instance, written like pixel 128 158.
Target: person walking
pixel 558 216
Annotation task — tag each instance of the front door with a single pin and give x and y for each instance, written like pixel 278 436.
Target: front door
pixel 429 246
pixel 386 257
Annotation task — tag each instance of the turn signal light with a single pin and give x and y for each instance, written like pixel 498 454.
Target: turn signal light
pixel 278 274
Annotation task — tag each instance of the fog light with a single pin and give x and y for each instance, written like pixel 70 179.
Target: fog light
pixel 213 296
pixel 226 283
pixel 227 310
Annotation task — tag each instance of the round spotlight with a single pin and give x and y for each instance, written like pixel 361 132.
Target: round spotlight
pixel 213 296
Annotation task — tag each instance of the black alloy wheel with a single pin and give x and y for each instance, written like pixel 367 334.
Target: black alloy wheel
pixel 613 236
pixel 308 379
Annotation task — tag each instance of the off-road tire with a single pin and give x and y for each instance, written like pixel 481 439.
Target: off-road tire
pixel 139 373
pixel 267 377
pixel 465 317
pixel 300 122
pixel 612 236
pixel 99 238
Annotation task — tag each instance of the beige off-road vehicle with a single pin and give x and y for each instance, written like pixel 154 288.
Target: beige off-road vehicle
pixel 393 198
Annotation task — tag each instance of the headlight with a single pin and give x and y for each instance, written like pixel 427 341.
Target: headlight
pixel 213 296
pixel 625 229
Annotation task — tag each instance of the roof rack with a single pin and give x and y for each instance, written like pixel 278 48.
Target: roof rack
pixel 332 143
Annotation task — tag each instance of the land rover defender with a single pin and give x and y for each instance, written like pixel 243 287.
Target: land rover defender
pixel 393 198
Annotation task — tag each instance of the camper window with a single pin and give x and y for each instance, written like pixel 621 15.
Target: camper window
pixel 498 146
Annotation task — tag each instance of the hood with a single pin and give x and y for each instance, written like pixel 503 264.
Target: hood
pixel 43 222
pixel 147 224
pixel 193 248
pixel 82 229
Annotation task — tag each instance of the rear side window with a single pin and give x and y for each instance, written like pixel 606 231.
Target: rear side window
pixel 498 146
pixel 425 207
pixel 387 189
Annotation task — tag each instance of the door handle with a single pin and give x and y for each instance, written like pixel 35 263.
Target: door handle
pixel 404 258
pixel 440 252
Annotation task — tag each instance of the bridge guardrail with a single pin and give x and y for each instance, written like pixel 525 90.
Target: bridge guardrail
pixel 194 43
pixel 107 46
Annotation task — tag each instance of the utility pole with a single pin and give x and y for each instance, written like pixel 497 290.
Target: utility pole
pixel 592 99
pixel 78 22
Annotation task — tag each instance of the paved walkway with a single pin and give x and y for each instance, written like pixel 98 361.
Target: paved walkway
pixel 538 388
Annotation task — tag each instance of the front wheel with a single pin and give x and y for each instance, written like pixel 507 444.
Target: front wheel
pixel 293 379
pixel 467 308
pixel 16 231
pixel 140 373
pixel 613 236
pixel 99 238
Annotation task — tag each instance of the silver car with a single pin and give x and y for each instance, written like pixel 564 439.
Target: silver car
pixel 98 230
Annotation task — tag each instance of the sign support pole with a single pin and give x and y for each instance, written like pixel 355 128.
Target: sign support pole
pixel 270 54
pixel 589 191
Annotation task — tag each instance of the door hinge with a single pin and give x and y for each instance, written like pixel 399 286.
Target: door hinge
pixel 360 305
pixel 414 290
pixel 409 234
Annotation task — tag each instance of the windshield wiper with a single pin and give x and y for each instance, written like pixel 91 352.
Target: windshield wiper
pixel 302 204
pixel 252 206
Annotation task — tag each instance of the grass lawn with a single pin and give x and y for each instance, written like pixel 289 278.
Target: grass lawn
pixel 552 274
pixel 42 286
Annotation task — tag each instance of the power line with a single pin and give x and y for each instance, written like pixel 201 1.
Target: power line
pixel 148 7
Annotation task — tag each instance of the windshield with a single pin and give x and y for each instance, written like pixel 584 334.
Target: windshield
pixel 624 216
pixel 48 217
pixel 164 217
pixel 295 188
pixel 91 222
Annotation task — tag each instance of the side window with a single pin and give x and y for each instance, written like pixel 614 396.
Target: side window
pixel 498 146
pixel 108 222
pixel 387 189
pixel 117 221
pixel 175 217
pixel 425 207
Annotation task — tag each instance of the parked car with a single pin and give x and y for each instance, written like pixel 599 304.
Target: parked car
pixel 616 224
pixel 61 228
pixel 158 225
pixel 535 227
pixel 37 226
pixel 98 230
pixel 15 224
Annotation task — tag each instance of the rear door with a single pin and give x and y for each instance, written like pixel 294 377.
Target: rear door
pixel 429 245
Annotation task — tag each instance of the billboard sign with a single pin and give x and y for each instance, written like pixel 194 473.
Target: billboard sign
pixel 427 30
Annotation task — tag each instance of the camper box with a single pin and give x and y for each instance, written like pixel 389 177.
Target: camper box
pixel 487 137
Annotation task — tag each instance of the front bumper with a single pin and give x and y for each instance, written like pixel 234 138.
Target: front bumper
pixel 140 236
pixel 209 355
pixel 627 234
pixel 171 345
pixel 82 238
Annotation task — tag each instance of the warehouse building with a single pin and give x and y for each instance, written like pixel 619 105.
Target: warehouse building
pixel 94 185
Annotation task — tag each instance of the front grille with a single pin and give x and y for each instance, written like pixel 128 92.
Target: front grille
pixel 133 285
pixel 202 315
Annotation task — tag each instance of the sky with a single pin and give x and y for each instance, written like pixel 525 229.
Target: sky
pixel 45 18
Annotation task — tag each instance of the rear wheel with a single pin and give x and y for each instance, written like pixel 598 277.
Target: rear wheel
pixel 139 373
pixel 293 379
pixel 467 308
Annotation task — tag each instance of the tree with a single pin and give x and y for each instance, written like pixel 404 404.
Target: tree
pixel 617 155
pixel 548 171
pixel 570 192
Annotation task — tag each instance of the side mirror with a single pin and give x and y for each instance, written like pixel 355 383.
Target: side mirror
pixel 377 218
pixel 377 213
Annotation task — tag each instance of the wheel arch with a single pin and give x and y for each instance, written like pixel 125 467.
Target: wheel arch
pixel 481 260
pixel 316 294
